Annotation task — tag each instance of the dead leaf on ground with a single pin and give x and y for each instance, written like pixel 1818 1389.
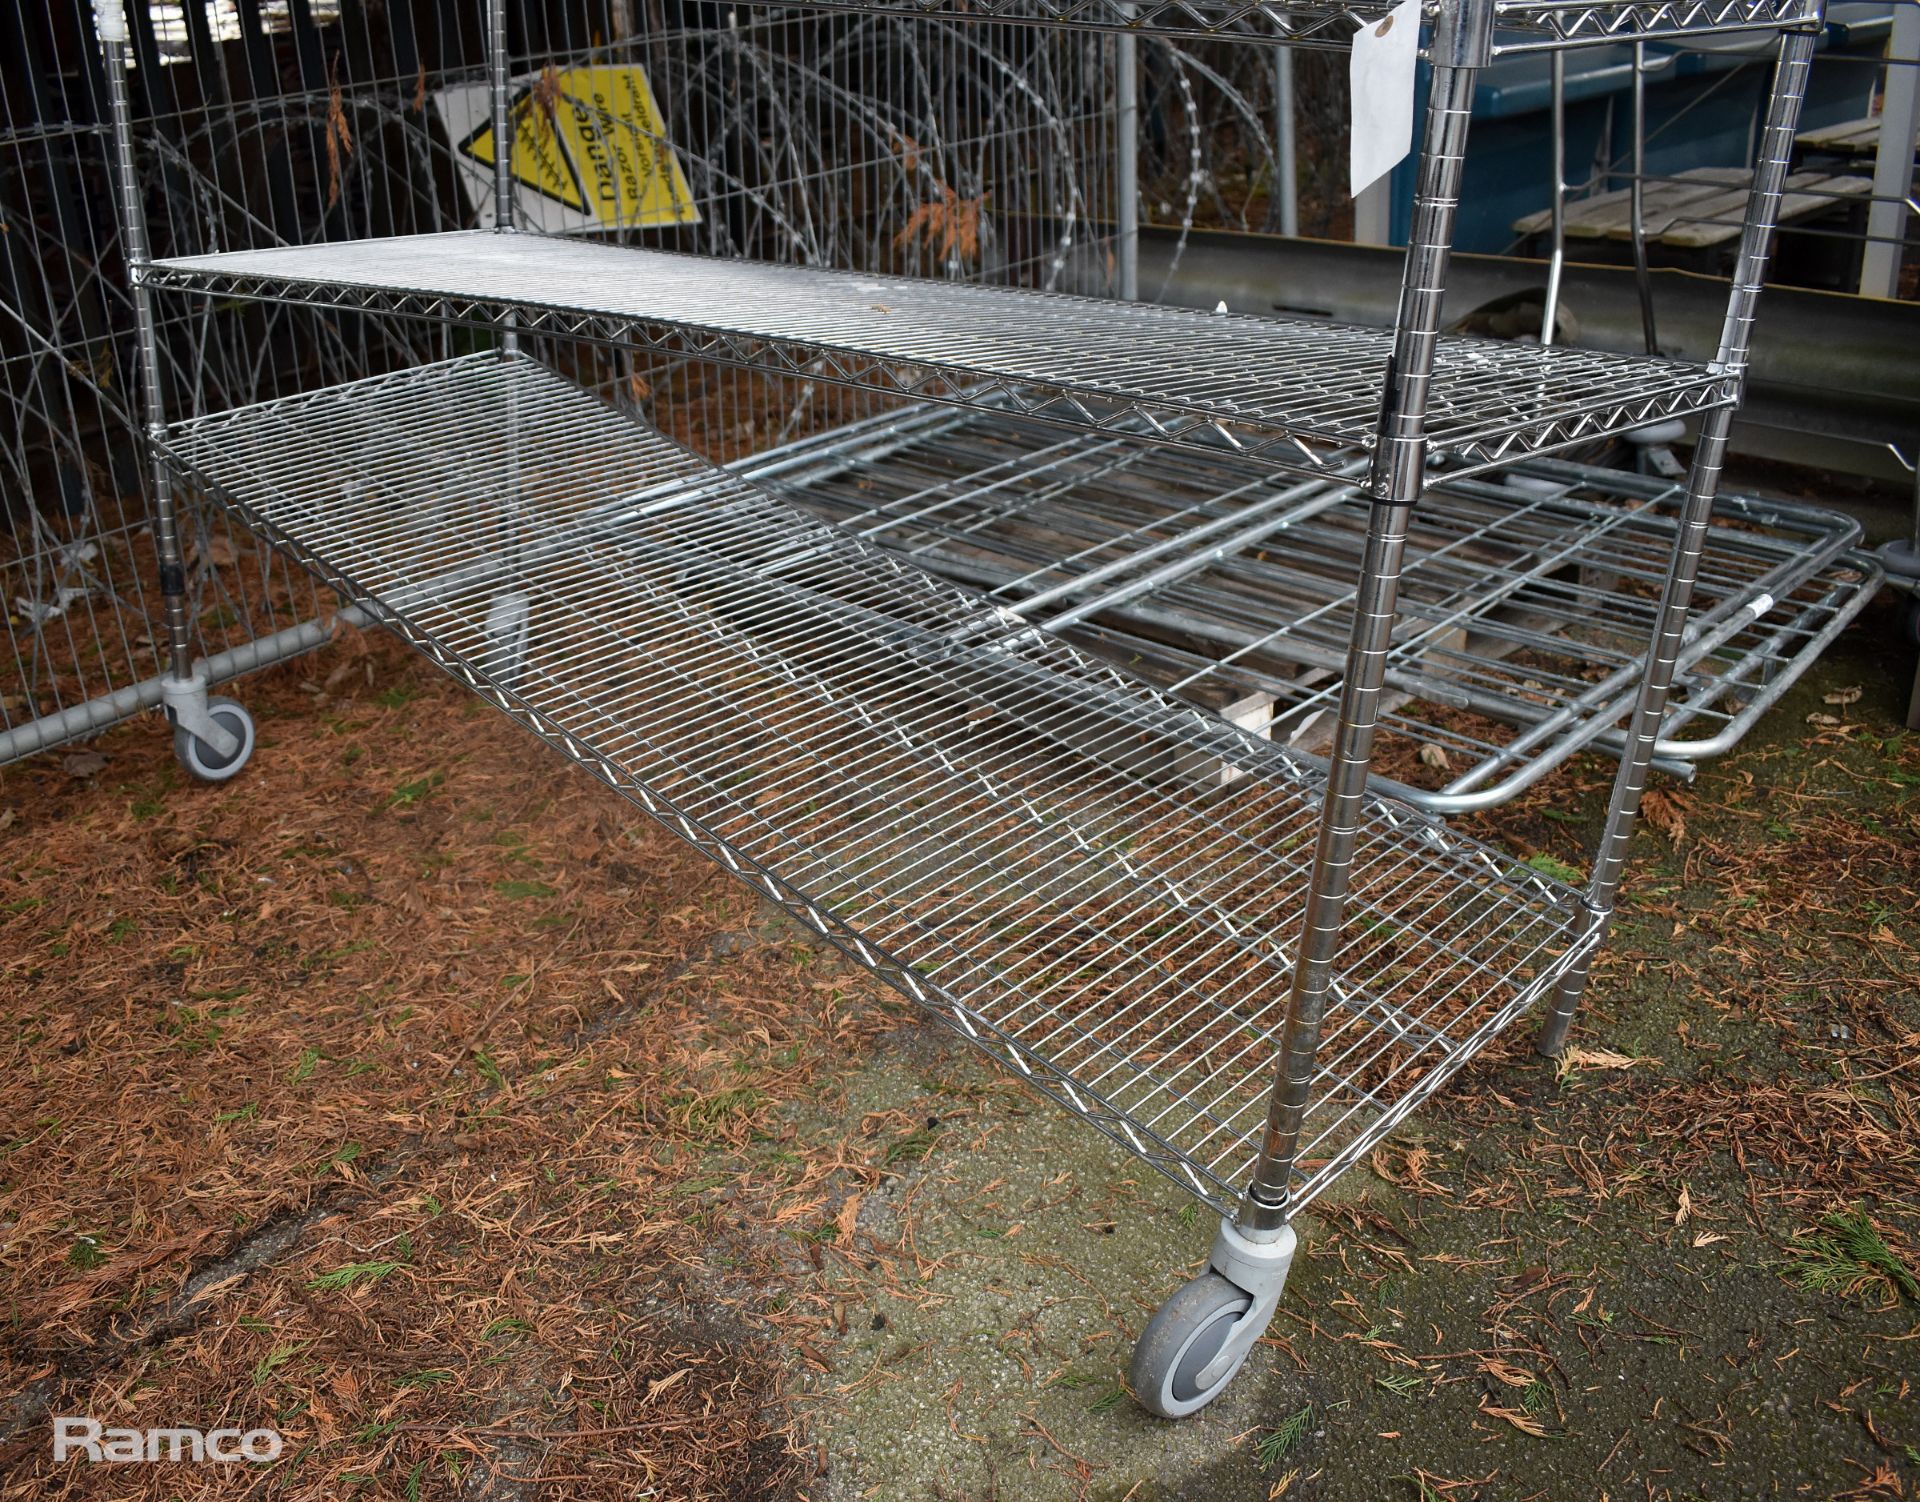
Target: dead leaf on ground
pixel 1843 695
pixel 1525 1422
pixel 1666 813
pixel 660 1385
pixel 1435 757
pixel 1507 1372
pixel 1597 1058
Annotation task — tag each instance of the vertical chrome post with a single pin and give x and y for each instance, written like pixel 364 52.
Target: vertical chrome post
pixel 1557 248
pixel 1461 44
pixel 498 98
pixel 1637 198
pixel 1763 209
pixel 1126 125
pixel 115 42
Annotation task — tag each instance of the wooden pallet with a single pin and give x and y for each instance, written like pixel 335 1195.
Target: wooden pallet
pixel 1700 208
pixel 1849 138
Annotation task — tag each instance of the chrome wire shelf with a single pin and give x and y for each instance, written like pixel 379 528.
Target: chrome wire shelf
pixel 1521 25
pixel 1301 396
pixel 1523 619
pixel 1095 882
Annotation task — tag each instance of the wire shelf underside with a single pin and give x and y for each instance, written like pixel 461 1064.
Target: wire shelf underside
pixel 1096 883
pixel 1523 616
pixel 1301 395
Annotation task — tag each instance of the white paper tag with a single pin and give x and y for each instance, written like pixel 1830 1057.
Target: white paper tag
pixel 1380 78
pixel 110 20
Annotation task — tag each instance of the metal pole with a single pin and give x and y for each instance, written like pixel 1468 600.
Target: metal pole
pixel 111 20
pixel 1461 45
pixel 1557 247
pixel 1763 210
pixel 1126 60
pixel 1286 182
pixel 1637 198
pixel 502 116
pixel 1373 212
pixel 1893 166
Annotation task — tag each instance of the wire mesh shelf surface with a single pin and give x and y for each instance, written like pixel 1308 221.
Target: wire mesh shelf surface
pixel 1095 882
pixel 1522 25
pixel 1523 614
pixel 1299 394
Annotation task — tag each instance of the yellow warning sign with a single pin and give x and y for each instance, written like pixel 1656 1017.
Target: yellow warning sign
pixel 592 139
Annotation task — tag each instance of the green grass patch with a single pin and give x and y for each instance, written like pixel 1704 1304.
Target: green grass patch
pixel 1844 1254
pixel 352 1275
pixel 1278 1443
pixel 409 793
pixel 1559 870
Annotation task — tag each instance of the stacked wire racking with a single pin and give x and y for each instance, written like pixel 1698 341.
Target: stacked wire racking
pixel 1243 963
pixel 1523 613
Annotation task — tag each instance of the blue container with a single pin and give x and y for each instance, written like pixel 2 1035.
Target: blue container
pixel 1702 110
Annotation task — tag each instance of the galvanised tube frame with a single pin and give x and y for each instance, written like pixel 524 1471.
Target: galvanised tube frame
pixel 1703 482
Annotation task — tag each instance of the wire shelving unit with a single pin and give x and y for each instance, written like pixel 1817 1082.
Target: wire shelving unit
pixel 1244 964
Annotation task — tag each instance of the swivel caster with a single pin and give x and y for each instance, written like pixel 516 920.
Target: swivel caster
pixel 213 738
pixel 201 759
pixel 1198 1340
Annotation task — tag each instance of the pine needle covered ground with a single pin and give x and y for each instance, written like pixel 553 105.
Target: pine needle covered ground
pixel 411 1096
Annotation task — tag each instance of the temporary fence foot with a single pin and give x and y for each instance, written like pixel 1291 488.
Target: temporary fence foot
pixel 1198 1340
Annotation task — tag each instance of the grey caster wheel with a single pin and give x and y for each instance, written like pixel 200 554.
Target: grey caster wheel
pixel 200 759
pixel 1184 1335
pixel 1197 1341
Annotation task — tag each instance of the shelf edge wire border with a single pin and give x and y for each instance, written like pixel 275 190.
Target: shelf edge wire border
pixel 1292 450
pixel 1325 28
